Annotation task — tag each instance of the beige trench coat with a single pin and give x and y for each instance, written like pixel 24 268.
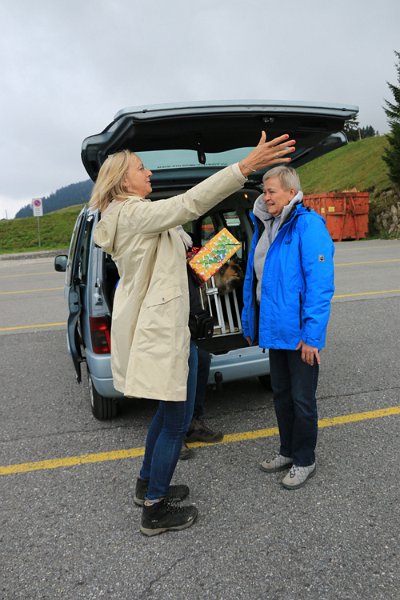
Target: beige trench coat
pixel 149 333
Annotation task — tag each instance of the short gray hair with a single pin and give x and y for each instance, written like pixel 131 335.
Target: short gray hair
pixel 287 176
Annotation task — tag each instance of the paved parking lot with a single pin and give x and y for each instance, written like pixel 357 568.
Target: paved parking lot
pixel 69 529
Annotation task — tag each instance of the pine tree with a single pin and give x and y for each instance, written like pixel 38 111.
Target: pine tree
pixel 367 131
pixel 392 110
pixel 351 129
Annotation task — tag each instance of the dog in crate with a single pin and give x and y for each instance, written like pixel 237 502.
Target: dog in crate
pixel 229 277
pixel 219 297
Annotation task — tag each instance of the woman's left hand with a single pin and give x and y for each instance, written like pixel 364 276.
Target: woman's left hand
pixel 308 353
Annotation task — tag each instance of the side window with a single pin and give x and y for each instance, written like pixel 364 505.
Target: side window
pixel 83 266
pixel 233 223
pixel 72 248
pixel 237 221
pixel 79 249
pixel 208 229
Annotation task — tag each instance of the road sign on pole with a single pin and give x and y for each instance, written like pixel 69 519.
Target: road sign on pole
pixel 37 207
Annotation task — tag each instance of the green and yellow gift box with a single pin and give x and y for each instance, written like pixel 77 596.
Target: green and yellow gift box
pixel 215 253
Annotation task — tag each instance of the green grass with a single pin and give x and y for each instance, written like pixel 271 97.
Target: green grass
pixel 356 165
pixel 21 235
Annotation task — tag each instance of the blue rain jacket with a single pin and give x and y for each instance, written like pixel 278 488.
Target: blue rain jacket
pixel 297 284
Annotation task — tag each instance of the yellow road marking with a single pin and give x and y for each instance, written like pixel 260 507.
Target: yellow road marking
pixel 56 289
pixel 32 326
pixel 28 274
pixel 356 417
pixel 367 262
pixel 71 461
pixel 364 294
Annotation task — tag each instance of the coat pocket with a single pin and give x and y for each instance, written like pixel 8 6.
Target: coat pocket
pixel 162 296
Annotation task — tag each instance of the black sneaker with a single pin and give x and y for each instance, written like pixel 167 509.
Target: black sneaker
pixel 175 492
pixel 199 432
pixel 166 516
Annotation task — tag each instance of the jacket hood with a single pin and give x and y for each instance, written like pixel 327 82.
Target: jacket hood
pixel 106 228
pixel 260 208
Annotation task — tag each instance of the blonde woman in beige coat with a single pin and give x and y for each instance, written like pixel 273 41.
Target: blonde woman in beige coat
pixel 150 340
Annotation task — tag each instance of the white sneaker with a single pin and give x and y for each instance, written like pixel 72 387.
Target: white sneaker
pixel 298 476
pixel 277 463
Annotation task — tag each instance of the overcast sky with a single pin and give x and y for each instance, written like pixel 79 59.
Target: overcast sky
pixel 67 66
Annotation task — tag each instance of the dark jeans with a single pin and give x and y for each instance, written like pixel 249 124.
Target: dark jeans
pixel 165 436
pixel 294 384
pixel 203 372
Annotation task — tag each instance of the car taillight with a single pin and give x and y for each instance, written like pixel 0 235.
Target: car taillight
pixel 100 332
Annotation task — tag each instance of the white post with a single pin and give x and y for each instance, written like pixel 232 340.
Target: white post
pixel 37 207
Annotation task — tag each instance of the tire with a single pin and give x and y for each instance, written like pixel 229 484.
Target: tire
pixel 265 381
pixel 102 408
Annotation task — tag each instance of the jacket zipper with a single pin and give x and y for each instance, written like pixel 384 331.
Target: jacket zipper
pixel 301 305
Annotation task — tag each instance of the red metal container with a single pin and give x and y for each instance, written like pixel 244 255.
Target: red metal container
pixel 346 213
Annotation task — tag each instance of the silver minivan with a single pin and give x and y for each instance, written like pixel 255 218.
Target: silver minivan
pixel 183 144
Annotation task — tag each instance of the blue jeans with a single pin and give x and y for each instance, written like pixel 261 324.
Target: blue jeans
pixel 294 384
pixel 165 436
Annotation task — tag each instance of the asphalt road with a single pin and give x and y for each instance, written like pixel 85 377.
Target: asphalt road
pixel 71 532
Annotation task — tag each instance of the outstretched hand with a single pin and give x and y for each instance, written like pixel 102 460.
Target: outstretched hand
pixel 267 153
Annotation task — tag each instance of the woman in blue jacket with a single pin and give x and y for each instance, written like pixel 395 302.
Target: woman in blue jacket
pixel 288 289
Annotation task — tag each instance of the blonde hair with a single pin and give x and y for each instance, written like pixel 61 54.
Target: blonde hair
pixel 287 176
pixel 109 183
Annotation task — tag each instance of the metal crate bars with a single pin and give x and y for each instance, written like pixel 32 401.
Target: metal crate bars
pixel 223 307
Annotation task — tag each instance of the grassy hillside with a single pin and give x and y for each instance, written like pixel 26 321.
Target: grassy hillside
pixel 356 165
pixel 21 235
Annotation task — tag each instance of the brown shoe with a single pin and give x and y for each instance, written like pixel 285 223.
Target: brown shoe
pixel 186 452
pixel 199 432
pixel 176 493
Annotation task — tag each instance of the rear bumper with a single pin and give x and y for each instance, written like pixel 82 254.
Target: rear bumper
pixel 99 366
pixel 239 364
pixel 236 364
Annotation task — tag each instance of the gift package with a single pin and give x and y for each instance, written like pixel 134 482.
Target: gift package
pixel 216 252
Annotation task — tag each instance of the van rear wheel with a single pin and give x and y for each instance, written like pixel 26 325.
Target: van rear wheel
pixel 102 408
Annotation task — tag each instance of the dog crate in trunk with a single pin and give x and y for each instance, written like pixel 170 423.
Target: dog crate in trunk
pixel 224 307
